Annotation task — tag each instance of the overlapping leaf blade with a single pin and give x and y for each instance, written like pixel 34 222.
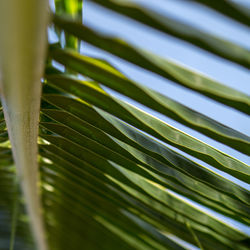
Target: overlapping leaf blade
pixel 141 120
pixel 140 190
pixel 80 149
pixel 176 180
pixel 113 79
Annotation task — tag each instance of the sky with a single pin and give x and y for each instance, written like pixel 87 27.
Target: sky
pixel 184 54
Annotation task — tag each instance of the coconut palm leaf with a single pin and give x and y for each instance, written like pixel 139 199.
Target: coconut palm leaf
pixel 111 175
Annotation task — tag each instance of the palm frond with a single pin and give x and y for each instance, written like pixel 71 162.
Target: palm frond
pixel 112 175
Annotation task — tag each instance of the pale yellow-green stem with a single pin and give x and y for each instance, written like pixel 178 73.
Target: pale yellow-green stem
pixel 23 41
